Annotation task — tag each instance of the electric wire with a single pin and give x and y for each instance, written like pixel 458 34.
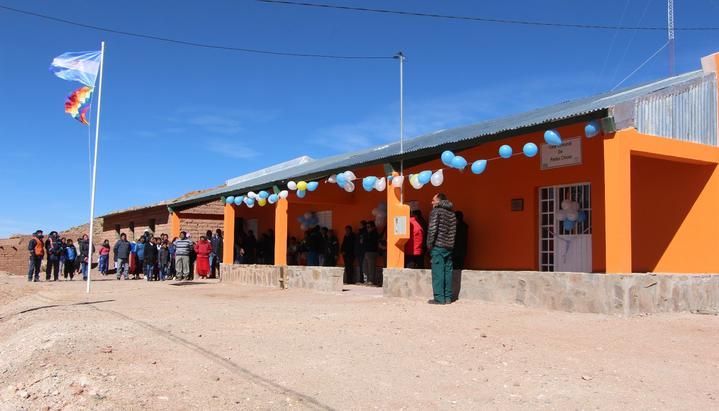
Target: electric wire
pixel 640 66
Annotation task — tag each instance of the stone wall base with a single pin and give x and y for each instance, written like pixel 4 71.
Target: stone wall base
pixel 313 278
pixel 628 294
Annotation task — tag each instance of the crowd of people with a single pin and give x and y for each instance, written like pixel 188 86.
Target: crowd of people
pixel 150 257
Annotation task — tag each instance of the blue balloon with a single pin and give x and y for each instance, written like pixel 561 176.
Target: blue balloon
pixel 263 194
pixel 568 225
pixel 552 137
pixel 368 183
pixel 312 185
pixel 530 149
pixel 581 216
pixel 341 180
pixel 301 193
pixel 447 157
pixel 249 201
pixel 479 166
pixel 230 200
pixel 239 200
pixel 591 129
pixel 424 177
pixel 389 179
pixel 273 198
pixel 505 151
pixel 459 163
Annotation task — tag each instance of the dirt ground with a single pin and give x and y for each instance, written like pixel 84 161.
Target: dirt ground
pixel 134 345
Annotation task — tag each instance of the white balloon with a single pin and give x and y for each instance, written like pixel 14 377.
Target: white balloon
pixel 414 182
pixel 250 205
pixel 381 184
pixel 397 181
pixel 349 187
pixel 561 215
pixel 292 185
pixel 565 204
pixel 332 179
pixel 252 194
pixel 572 215
pixel 350 175
pixel 283 194
pixel 437 178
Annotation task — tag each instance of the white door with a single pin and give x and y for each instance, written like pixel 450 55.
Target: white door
pixel 565 246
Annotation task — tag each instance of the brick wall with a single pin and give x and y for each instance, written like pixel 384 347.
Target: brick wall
pixel 14 255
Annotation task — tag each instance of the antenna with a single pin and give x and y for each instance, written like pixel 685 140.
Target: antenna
pixel 670 34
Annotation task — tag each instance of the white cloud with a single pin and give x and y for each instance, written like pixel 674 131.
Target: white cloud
pixel 231 149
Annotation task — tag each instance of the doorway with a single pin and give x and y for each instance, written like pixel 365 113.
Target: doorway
pixel 565 228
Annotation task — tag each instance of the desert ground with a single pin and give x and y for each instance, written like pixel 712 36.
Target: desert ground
pixel 132 345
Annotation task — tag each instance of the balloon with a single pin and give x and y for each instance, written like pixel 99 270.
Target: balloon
pixel 283 194
pixel 381 184
pixel 262 202
pixel 437 178
pixel 552 137
pixel 591 129
pixel 479 166
pixel 397 181
pixel 332 179
pixel 249 201
pixel 389 178
pixel 350 176
pixel 349 187
pixel 312 185
pixel 302 186
pixel 230 200
pixel 505 151
pixel 561 215
pixel 568 225
pixel 303 227
pixel 368 183
pixel 530 149
pixel 565 204
pixel 424 177
pixel 263 195
pixel 341 180
pixel 582 216
pixel 272 198
pixel 574 206
pixel 252 194
pixel 414 181
pixel 459 162
pixel 447 157
pixel 292 185
pixel 301 193
pixel 252 204
pixel 572 215
pixel 239 200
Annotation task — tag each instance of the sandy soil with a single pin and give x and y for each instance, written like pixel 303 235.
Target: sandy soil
pixel 134 345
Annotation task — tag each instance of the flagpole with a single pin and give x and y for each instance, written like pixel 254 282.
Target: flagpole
pixel 94 165
pixel 401 58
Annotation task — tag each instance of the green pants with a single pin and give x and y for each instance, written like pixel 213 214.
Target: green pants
pixel 441 274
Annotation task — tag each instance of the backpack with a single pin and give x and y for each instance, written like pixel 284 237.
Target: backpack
pixel 71 253
pixel 56 247
pixel 39 249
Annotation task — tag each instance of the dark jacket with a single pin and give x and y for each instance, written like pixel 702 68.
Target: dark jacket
pixel 150 257
pixel 163 256
pixel 371 241
pixel 442 227
pixel 83 248
pixel 348 244
pixel 216 244
pixel 122 249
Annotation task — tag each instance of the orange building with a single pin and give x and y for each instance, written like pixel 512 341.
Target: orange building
pixel 640 196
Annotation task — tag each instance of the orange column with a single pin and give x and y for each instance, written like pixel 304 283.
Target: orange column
pixel 617 205
pixel 281 231
pixel 174 224
pixel 228 241
pixel 397 227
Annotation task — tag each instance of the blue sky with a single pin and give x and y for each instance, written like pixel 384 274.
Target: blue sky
pixel 176 118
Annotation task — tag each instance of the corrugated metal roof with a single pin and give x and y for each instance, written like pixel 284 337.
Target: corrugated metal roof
pixel 550 114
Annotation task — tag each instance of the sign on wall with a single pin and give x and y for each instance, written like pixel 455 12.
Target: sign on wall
pixel 569 153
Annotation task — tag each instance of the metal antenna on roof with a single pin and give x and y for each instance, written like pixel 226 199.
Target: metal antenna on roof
pixel 401 58
pixel 670 34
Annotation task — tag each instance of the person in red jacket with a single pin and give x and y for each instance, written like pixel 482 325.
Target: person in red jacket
pixel 203 248
pixel 414 247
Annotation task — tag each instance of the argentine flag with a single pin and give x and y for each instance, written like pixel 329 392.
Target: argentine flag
pixel 81 66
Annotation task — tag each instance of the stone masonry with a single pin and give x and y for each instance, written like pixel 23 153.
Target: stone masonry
pixel 313 278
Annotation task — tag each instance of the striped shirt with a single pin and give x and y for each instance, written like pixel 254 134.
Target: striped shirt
pixel 183 247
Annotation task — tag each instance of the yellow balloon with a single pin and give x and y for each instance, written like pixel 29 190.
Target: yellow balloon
pixel 302 185
pixel 262 202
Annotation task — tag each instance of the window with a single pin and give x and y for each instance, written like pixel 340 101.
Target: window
pixel 117 231
pixel 151 225
pixel 131 226
pixel 325 218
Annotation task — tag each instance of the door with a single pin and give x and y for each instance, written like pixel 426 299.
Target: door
pixel 565 228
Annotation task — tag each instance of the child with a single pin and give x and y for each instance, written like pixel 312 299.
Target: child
pixel 70 257
pixel 104 257
pixel 163 260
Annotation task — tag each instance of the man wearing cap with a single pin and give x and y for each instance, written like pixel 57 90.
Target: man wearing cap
pixel 36 247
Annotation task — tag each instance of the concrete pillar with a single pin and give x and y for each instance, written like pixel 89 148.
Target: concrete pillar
pixel 281 231
pixel 228 241
pixel 174 225
pixel 397 227
pixel 617 207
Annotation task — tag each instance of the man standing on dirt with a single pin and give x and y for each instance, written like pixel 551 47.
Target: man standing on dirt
pixel 216 255
pixel 122 251
pixel 183 248
pixel 440 241
pixel 37 250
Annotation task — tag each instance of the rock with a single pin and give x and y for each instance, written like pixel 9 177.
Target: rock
pixel 217 379
pixel 586 378
pixel 106 350
pixel 23 394
pixel 483 335
pixel 78 391
pixel 163 398
pixel 154 362
pixel 45 408
pixel 55 393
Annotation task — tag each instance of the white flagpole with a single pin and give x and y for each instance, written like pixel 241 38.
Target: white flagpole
pixel 94 165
